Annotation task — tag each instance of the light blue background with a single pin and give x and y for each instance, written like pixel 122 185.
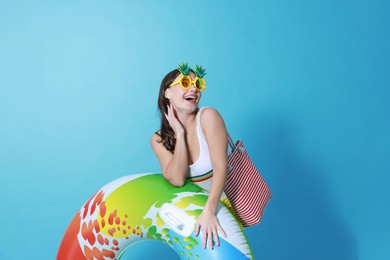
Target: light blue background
pixel 305 84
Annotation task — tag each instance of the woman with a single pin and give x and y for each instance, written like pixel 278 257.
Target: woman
pixel 192 143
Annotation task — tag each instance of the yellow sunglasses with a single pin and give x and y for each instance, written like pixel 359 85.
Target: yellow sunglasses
pixel 186 82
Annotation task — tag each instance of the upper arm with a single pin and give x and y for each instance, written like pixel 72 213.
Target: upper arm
pixel 216 135
pixel 163 155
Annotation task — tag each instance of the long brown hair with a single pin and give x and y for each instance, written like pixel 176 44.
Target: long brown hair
pixel 166 132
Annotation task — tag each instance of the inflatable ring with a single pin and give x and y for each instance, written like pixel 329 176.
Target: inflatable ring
pixel 146 206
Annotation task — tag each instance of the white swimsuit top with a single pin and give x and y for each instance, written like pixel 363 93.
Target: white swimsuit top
pixel 201 169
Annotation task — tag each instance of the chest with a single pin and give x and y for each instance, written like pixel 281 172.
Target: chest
pixel 193 148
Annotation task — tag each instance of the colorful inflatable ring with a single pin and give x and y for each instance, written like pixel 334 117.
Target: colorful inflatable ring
pixel 146 206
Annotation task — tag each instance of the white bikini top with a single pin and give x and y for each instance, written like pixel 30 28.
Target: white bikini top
pixel 201 169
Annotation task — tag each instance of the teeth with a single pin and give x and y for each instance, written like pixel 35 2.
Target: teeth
pixel 189 97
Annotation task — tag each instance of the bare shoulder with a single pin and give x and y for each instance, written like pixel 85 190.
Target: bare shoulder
pixel 163 155
pixel 209 113
pixel 155 138
pixel 211 119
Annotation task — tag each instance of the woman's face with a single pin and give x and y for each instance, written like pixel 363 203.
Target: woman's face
pixel 183 99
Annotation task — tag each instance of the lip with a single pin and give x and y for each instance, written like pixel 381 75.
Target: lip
pixel 191 98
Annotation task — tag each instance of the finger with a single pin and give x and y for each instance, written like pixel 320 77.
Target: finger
pixel 173 111
pixel 204 238
pixel 222 231
pixel 168 119
pixel 216 237
pixel 210 239
pixel 171 114
pixel 197 227
pixel 169 110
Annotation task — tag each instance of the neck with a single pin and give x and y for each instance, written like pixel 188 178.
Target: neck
pixel 187 119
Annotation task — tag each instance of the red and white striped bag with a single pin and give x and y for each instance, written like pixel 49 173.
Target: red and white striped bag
pixel 245 188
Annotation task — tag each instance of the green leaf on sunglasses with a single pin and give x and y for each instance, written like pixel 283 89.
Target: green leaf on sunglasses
pixel 199 71
pixel 184 69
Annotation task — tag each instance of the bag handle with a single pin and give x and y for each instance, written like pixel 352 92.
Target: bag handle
pixel 231 142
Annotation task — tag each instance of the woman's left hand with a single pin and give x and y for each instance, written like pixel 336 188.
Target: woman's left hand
pixel 210 226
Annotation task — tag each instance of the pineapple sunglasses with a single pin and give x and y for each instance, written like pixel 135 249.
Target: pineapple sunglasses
pixel 186 82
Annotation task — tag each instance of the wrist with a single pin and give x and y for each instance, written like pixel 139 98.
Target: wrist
pixel 209 209
pixel 179 135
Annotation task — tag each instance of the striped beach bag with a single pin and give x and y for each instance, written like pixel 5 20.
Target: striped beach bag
pixel 245 188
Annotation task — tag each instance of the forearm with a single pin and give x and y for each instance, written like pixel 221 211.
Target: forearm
pixel 217 187
pixel 177 168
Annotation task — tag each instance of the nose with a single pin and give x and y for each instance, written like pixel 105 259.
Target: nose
pixel 193 88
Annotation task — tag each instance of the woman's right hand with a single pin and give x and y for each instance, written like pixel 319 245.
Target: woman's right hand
pixel 174 122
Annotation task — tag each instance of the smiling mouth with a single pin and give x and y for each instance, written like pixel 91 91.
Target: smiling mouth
pixel 190 98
